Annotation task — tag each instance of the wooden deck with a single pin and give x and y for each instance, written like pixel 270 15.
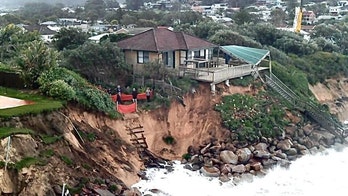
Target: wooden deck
pixel 219 74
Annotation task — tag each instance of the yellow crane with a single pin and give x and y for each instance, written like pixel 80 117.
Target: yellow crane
pixel 298 17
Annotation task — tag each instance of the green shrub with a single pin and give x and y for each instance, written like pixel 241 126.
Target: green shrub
pixel 113 188
pixel 186 156
pixel 64 84
pixel 243 81
pixel 169 140
pixel 251 118
pixel 61 90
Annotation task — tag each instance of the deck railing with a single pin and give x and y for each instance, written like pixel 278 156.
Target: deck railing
pixel 216 74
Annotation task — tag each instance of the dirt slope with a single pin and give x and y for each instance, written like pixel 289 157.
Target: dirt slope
pixel 110 155
pixel 334 93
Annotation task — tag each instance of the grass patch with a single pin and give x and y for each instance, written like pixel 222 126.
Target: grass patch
pixel 47 153
pixel 47 139
pixel 7 131
pixel 86 166
pixel 66 160
pixel 41 103
pixel 242 81
pixel 91 137
pixel 26 162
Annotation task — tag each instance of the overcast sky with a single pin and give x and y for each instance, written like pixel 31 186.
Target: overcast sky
pixel 19 3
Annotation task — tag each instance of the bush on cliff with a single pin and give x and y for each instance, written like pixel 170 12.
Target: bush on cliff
pixel 252 117
pixel 64 84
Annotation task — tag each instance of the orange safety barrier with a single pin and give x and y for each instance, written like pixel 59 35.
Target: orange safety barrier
pixel 123 109
pixel 114 98
pixel 126 97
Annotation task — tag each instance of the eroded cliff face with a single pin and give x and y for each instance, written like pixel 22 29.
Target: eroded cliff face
pixel 105 154
pixel 333 93
pixel 99 156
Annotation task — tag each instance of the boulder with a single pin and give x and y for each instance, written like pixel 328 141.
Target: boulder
pixel 280 154
pixel 224 178
pixel 225 169
pixel 267 163
pixel 210 171
pixel 261 146
pixel 103 192
pixel 206 148
pixel 306 142
pixel 244 155
pixel 195 159
pixel 132 192
pixel 228 156
pixel 257 166
pixel 284 145
pixel 195 167
pixel 238 168
pixel 262 154
pixel 307 129
pixel 290 130
pixel 291 152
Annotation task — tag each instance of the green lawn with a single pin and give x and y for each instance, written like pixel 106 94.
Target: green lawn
pixel 41 103
pixel 7 131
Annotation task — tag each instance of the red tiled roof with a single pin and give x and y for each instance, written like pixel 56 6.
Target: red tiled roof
pixel 163 39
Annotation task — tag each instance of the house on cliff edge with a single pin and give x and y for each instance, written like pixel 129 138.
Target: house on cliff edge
pixel 164 46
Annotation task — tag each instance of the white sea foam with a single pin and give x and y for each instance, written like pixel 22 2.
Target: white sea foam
pixel 320 174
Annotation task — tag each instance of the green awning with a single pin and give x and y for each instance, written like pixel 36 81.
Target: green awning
pixel 250 55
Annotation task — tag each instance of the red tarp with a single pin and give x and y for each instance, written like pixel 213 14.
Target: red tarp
pixel 123 109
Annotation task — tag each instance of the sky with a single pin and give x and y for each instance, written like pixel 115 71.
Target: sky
pixel 19 3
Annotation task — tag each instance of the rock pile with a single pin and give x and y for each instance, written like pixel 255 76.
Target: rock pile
pixel 229 161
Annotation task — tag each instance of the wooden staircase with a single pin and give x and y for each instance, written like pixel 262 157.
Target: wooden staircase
pixel 308 107
pixel 138 139
pixel 136 132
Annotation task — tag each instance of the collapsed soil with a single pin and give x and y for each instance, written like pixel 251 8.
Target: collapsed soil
pixel 110 154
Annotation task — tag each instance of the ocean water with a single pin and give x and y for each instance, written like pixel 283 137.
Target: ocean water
pixel 324 173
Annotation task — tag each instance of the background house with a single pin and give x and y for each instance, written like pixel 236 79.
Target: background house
pixel 165 46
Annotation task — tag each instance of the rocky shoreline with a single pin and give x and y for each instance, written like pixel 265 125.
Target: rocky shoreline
pixel 229 161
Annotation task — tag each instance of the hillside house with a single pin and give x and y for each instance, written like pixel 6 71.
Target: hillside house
pixel 308 17
pixel 165 46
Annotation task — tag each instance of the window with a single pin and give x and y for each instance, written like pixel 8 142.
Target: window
pixel 183 57
pixel 196 54
pixel 143 57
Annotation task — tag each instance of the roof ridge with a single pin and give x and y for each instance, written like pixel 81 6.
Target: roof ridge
pixel 155 38
pixel 184 38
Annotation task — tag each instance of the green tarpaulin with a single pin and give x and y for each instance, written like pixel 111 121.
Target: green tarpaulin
pixel 247 54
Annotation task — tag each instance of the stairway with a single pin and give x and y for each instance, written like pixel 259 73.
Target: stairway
pixel 307 106
pixel 136 132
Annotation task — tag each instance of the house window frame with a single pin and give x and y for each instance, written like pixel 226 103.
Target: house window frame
pixel 183 56
pixel 143 57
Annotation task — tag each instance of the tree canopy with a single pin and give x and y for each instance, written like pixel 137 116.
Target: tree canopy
pixel 69 38
pixel 101 63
